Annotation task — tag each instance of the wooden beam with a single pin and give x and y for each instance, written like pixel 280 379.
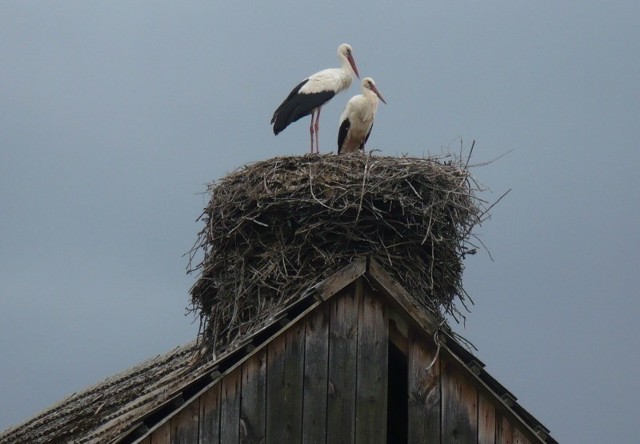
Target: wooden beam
pixel 339 280
pixel 399 295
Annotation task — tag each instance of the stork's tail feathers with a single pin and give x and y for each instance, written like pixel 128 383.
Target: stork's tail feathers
pixel 281 119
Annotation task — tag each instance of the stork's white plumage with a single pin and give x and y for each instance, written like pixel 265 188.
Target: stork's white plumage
pixel 313 92
pixel 357 118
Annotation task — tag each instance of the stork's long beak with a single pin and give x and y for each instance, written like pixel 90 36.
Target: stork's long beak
pixel 353 65
pixel 375 90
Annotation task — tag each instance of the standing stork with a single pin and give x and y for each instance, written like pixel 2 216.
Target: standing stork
pixel 357 118
pixel 313 92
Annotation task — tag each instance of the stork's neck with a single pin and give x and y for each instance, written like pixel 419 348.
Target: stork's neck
pixel 346 66
pixel 370 95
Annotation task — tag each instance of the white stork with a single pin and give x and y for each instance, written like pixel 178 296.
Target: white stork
pixel 357 118
pixel 313 92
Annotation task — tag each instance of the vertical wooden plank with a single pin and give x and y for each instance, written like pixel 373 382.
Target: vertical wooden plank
pixel 424 392
pixel 343 337
pixel 147 440
pixel 459 407
pixel 184 426
pixel 254 404
pixel 486 421
pixel 230 407
pixel 372 365
pixel 519 437
pixel 316 357
pixel 210 416
pixel 285 365
pixel 162 435
pixel 504 431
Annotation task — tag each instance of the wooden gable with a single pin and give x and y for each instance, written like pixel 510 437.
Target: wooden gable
pixel 353 360
pixel 360 364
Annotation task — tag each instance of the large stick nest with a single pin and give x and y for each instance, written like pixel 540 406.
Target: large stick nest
pixel 275 228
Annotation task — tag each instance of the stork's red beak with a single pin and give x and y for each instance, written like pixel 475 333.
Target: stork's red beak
pixel 375 90
pixel 353 65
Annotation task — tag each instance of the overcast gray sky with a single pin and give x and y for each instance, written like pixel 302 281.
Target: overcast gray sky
pixel 114 116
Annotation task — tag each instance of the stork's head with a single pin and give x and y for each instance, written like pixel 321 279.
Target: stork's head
pixel 369 85
pixel 346 53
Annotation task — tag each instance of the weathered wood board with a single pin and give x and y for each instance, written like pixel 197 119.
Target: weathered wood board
pixel 184 426
pixel 459 407
pixel 316 357
pixel 343 343
pixel 424 395
pixel 230 408
pixel 210 416
pixel 372 364
pixel 253 403
pixel 284 386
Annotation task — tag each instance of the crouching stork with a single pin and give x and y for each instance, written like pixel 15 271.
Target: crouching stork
pixel 357 118
pixel 313 92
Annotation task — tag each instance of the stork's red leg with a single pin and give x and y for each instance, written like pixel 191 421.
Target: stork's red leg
pixel 313 113
pixel 317 127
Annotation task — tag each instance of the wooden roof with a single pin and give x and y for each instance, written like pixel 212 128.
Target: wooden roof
pixel 127 407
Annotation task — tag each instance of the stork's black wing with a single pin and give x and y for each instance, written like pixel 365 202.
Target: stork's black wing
pixel 298 105
pixel 342 133
pixel 364 142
